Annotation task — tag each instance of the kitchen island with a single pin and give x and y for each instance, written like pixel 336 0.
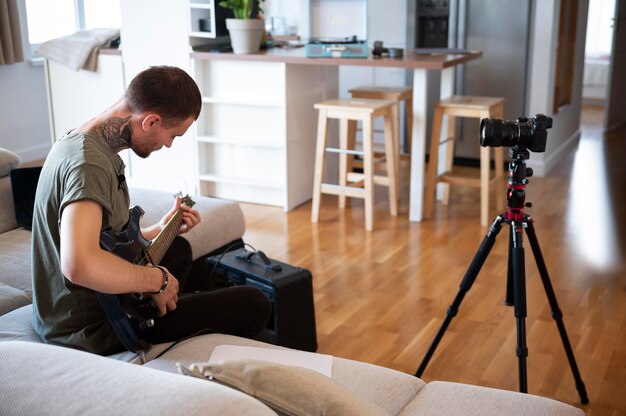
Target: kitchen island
pixel 259 116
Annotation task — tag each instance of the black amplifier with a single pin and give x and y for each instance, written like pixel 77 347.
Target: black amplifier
pixel 289 289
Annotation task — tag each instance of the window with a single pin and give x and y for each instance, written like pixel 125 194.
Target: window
pixel 52 19
pixel 600 29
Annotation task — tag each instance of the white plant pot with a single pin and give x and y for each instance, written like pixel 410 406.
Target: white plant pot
pixel 245 34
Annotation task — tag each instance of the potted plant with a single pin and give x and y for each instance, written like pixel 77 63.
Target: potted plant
pixel 246 28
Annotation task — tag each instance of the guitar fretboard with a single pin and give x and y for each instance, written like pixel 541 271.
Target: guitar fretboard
pixel 159 246
pixel 163 240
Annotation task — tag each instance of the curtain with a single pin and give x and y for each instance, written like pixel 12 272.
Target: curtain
pixel 10 37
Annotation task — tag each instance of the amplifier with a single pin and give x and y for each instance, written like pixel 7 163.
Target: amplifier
pixel 289 289
pixel 336 48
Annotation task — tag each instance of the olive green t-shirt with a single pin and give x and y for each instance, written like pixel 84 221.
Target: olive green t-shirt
pixel 78 167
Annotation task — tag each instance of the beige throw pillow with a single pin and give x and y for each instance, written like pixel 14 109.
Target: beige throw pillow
pixel 287 389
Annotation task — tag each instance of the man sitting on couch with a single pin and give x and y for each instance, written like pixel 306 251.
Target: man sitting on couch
pixel 82 192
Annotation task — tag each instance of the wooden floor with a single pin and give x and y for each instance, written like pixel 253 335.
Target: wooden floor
pixel 381 296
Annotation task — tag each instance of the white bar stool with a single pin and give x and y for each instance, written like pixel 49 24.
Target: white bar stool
pixel 470 107
pixel 351 184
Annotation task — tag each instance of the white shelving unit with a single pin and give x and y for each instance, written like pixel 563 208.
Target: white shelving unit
pixel 202 9
pixel 255 137
pixel 206 24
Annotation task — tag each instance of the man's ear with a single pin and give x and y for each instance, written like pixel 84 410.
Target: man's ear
pixel 150 120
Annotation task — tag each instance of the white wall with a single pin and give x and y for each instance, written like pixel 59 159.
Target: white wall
pixel 566 123
pixel 24 125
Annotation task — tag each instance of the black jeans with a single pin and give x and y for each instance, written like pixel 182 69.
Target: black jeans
pixel 236 310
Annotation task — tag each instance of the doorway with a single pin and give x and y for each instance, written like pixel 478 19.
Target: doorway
pixel 605 60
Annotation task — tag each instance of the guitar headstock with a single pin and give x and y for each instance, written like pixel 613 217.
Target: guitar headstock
pixel 186 200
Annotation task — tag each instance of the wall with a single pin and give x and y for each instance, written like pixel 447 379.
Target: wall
pixel 566 123
pixel 24 125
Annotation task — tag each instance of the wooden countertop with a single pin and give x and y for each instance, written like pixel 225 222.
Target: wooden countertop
pixel 410 59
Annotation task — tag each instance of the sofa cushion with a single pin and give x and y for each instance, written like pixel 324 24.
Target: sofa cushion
pixel 222 220
pixel 8 161
pixel 387 388
pixel 7 209
pixel 440 398
pixel 287 389
pixel 12 298
pixel 16 325
pixel 15 260
pixel 80 383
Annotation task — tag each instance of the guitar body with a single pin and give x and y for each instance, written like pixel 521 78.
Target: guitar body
pixel 128 314
pixel 125 313
pixel 129 243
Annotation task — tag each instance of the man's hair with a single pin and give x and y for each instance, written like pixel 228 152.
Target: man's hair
pixel 167 91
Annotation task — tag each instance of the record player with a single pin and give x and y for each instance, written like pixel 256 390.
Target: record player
pixel 348 47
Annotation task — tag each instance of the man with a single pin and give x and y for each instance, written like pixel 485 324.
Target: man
pixel 81 192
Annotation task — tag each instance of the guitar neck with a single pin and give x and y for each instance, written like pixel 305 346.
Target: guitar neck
pixel 164 239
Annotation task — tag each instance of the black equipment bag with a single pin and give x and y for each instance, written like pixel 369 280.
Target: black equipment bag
pixel 289 289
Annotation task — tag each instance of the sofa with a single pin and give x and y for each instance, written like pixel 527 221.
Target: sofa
pixel 39 378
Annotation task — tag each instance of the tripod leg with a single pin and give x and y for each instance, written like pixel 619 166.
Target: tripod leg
pixel 556 312
pixel 519 301
pixel 508 301
pixel 466 284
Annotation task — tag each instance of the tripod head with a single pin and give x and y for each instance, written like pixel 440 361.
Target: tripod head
pixel 516 184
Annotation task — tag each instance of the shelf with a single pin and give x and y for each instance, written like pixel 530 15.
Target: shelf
pixel 238 142
pixel 197 34
pixel 239 181
pixel 194 5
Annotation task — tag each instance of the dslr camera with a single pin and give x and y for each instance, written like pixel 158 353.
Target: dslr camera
pixel 530 133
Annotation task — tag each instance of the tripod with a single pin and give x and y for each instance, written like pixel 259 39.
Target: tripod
pixel 516 278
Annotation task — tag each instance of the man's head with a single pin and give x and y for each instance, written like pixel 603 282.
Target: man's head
pixel 164 101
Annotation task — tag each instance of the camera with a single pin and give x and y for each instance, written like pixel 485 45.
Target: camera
pixel 530 133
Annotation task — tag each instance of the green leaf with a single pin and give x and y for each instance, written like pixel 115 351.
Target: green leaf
pixel 242 9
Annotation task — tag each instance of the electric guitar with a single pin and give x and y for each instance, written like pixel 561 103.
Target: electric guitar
pixel 129 314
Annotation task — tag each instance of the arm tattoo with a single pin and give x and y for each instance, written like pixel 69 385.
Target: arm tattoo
pixel 115 132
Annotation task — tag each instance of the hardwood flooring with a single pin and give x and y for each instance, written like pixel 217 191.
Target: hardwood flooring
pixel 380 296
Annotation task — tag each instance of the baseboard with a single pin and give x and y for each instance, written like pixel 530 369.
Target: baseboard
pixel 542 166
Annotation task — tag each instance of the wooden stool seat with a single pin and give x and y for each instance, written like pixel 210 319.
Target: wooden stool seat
pixel 469 107
pixel 359 106
pixel 464 104
pixel 355 185
pixel 389 93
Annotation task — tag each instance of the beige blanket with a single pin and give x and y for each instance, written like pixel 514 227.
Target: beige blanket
pixel 78 50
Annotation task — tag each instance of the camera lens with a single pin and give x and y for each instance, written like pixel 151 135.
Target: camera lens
pixel 497 133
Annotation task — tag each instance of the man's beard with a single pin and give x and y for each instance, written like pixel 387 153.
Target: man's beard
pixel 141 153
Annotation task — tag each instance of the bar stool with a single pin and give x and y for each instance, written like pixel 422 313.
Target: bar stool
pixel 470 107
pixel 397 94
pixel 351 184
